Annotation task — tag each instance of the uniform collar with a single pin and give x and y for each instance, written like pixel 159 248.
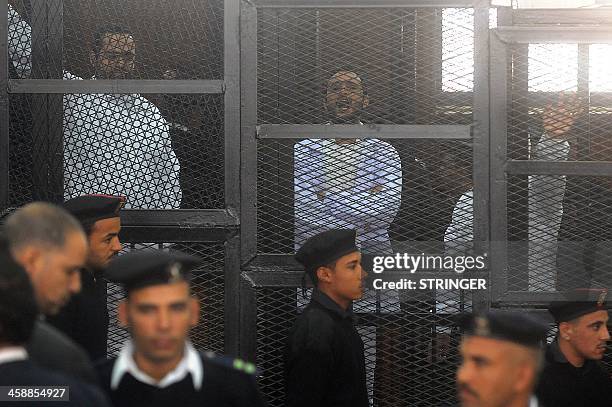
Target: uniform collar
pixel 13 354
pixel 327 303
pixel 191 363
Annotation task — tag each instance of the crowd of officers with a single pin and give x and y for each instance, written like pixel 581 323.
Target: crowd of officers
pixel 55 263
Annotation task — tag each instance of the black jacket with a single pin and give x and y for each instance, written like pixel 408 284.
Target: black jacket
pixel 324 358
pixel 85 318
pixel 26 373
pixel 223 385
pixel 564 385
pixel 51 349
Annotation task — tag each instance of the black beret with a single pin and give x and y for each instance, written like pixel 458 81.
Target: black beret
pixel 326 247
pixel 577 303
pixel 150 267
pixel 516 327
pixel 89 209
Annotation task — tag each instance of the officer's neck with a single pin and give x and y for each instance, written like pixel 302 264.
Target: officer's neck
pixel 156 369
pixel 570 353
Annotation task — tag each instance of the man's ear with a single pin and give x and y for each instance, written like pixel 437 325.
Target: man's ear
pixel 525 377
pixel 93 59
pixel 122 313
pixel 194 304
pixel 565 330
pixel 366 102
pixel 324 274
pixel 30 259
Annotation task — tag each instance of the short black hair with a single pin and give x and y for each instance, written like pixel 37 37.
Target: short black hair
pixel 18 309
pixel 108 29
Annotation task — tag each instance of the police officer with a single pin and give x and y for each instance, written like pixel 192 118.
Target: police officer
pixel 324 356
pixel 572 375
pixel 85 317
pixel 159 366
pixel 501 359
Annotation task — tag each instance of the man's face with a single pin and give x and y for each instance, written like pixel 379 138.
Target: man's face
pixel 104 243
pixel 588 335
pixel 347 279
pixel 489 373
pixel 159 318
pixel 345 99
pixel 116 56
pixel 55 272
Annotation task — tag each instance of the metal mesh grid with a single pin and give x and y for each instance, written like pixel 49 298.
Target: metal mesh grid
pixel 564 219
pixel 404 346
pixel 417 63
pixel 169 157
pixel 182 35
pixel 425 200
pixel 207 285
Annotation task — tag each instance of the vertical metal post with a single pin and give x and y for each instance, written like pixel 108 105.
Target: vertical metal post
pixel 498 259
pixel 481 133
pixel 4 107
pixel 231 34
pixel 47 51
pixel 248 132
pixel 248 178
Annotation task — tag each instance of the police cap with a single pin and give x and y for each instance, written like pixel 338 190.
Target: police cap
pixel 577 303
pixel 89 209
pixel 513 327
pixel 150 267
pixel 326 247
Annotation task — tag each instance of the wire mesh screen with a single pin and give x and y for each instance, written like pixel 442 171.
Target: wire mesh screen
pixel 406 344
pixel 416 64
pixel 401 195
pixel 161 151
pixel 559 111
pixel 182 38
pixel 207 285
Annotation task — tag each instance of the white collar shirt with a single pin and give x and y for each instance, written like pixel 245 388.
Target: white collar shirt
pixel 191 363
pixel 13 354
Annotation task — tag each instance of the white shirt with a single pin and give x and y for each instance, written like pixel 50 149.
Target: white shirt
pixel 13 354
pixel 190 363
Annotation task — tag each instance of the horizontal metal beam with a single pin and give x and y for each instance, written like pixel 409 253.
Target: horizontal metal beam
pixel 179 218
pixel 289 279
pixel 47 86
pixel 360 131
pixel 165 234
pixel 555 35
pixel 362 3
pixel 518 299
pixel 578 168
pixel 561 16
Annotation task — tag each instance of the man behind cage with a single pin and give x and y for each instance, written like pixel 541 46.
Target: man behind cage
pixel 113 143
pixel 352 183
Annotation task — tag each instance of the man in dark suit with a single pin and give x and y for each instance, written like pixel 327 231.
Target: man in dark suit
pixel 572 375
pixel 159 366
pixel 49 244
pixel 18 313
pixel 85 318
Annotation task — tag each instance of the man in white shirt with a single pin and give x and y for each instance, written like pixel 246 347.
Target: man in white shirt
pixel 113 144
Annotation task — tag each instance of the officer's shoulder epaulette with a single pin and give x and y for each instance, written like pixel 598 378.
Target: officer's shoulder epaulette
pixel 231 363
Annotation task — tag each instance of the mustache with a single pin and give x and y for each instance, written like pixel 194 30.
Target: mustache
pixel 462 387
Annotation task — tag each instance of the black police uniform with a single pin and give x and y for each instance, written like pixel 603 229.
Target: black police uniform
pixel 324 358
pixel 226 382
pixel 26 373
pixel 324 355
pixel 85 317
pixel 223 385
pixel 564 385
